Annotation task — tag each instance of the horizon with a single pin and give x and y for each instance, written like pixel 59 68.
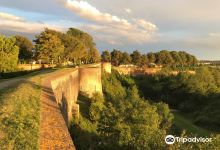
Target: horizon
pixel 147 26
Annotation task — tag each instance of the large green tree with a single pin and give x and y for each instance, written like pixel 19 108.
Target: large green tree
pixel 136 58
pixel 164 58
pixel 125 59
pixel 128 121
pixel 8 54
pixel 106 56
pixel 151 57
pixel 25 48
pixel 116 56
pixel 49 47
pixel 75 50
pixel 89 51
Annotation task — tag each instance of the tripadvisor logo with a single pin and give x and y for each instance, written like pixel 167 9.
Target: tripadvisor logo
pixel 170 139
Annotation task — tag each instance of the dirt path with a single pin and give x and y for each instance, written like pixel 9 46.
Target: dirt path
pixel 54 134
pixel 10 83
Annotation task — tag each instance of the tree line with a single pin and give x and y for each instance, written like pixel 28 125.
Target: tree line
pixel 50 46
pixel 164 57
pixel 197 94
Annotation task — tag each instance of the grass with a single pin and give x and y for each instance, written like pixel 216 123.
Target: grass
pixel 19 115
pixel 184 122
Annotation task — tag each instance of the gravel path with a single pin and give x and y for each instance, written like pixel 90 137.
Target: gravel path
pixel 10 83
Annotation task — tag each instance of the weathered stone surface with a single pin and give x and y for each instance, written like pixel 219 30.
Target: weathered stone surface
pixel 107 67
pixel 59 103
pixel 53 129
pixel 90 80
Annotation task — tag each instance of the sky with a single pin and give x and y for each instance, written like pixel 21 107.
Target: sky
pixel 144 25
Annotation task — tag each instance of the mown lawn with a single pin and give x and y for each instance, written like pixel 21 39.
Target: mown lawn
pixel 184 122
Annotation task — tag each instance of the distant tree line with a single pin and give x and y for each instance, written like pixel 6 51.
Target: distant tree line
pixel 197 94
pixel 50 47
pixel 164 57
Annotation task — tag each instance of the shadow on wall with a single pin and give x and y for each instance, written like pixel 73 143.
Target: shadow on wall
pixel 66 88
pixel 64 108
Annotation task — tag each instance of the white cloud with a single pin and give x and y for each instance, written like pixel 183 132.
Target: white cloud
pixel 86 10
pixel 7 16
pixel 113 29
pixel 128 10
pixel 215 35
pixel 19 24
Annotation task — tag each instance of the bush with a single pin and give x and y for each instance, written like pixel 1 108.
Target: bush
pixel 96 107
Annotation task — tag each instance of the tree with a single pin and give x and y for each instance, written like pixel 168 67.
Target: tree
pixel 94 56
pixel 49 47
pixel 116 56
pixel 164 58
pixel 182 55
pixel 87 42
pixel 125 59
pixel 144 60
pixel 8 54
pixel 128 121
pixel 136 58
pixel 176 57
pixel 106 56
pixel 151 57
pixel 25 48
pixel 75 50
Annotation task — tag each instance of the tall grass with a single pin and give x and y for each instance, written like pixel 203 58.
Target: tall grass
pixel 19 116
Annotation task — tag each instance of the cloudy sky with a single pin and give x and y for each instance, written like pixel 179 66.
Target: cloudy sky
pixel 145 25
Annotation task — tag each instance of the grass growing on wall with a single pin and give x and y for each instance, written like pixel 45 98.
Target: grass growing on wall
pixel 19 115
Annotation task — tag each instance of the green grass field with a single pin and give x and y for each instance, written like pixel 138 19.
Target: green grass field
pixel 184 122
pixel 20 113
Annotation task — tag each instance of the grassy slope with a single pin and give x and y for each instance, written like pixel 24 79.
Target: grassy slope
pixel 184 122
pixel 20 113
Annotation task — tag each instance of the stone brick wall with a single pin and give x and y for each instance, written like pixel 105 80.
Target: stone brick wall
pixel 67 86
pixel 107 67
pixel 90 80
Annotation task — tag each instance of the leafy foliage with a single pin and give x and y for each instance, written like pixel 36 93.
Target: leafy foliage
pixel 25 48
pixel 122 120
pixel 198 94
pixel 106 56
pixel 164 57
pixel 8 54
pixel 48 46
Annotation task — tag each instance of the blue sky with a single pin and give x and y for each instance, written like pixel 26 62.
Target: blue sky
pixel 146 25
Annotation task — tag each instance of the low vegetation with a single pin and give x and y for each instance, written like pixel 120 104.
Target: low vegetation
pixel 19 115
pixel 197 94
pixel 123 120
